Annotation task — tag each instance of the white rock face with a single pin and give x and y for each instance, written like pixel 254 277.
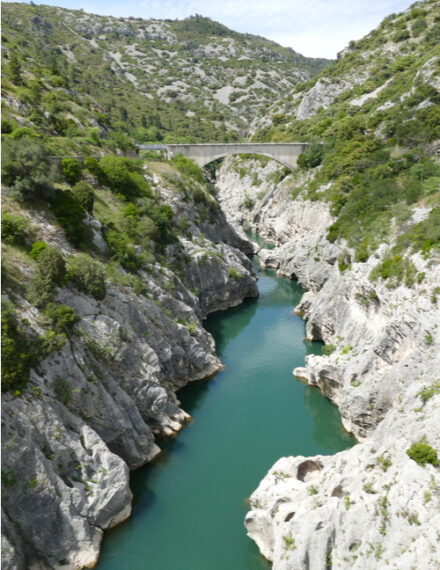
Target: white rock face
pixel 91 408
pixel 370 506
pixel 322 94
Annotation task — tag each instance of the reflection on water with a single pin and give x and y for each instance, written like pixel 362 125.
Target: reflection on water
pixel 241 315
pixel 190 503
pixel 259 240
pixel 326 421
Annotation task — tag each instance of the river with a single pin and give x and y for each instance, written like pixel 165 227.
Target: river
pixel 189 505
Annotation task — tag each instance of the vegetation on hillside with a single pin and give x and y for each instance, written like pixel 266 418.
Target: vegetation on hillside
pixel 64 98
pixel 86 83
pixel 378 160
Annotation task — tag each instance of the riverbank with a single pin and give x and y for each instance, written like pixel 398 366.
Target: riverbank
pixel 372 504
pixel 250 413
pixel 110 360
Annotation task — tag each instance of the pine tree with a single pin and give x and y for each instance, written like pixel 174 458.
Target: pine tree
pixel 15 70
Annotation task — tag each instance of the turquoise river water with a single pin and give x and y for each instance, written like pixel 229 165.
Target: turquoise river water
pixel 189 505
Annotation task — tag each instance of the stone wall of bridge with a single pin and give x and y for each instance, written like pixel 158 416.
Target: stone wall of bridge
pixel 285 153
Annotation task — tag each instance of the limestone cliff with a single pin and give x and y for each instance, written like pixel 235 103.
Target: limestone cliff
pixel 91 408
pixel 370 505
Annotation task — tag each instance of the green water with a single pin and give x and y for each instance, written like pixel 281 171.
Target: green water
pixel 189 506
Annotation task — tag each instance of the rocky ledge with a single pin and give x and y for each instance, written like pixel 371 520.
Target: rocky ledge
pixel 371 505
pixel 91 409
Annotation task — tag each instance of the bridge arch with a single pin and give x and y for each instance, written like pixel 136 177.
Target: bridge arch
pixel 203 163
pixel 204 153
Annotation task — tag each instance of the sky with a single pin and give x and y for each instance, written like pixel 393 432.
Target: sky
pixel 314 28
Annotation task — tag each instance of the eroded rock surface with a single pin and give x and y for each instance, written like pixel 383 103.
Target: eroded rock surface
pixel 370 506
pixel 91 409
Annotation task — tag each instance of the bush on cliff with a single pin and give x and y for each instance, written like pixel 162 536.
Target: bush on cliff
pixel 87 275
pixel 14 229
pixel 70 214
pixel 61 317
pixel 26 169
pixel 50 272
pixel 311 157
pixel 71 169
pixel 123 176
pixel 19 353
pixel 83 192
pixel 423 453
pixel 187 167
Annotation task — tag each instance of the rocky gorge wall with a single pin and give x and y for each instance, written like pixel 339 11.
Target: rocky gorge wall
pixel 371 505
pixel 91 409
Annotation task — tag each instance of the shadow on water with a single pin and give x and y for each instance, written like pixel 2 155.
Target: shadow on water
pixel 256 238
pixel 189 503
pixel 221 329
pixel 192 396
pixel 328 432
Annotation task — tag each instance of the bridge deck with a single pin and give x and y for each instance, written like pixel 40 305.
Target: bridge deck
pixel 203 153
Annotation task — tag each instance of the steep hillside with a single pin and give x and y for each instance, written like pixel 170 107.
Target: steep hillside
pixel 110 264
pixel 107 273
pixel 377 111
pixel 358 226
pixel 85 76
pixel 370 74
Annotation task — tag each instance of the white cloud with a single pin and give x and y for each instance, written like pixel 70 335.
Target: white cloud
pixel 317 28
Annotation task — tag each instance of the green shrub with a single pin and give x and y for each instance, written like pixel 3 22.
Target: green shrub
pixel 430 391
pixel 50 271
pixel 122 248
pixel 26 169
pixel 39 289
pixel 422 453
pixel 234 274
pixel 344 261
pixel 248 202
pixel 87 275
pixel 328 349
pixel 92 165
pixel 51 340
pixel 14 229
pixel 122 175
pixel 9 478
pixel 424 236
pixel 62 317
pixel 83 192
pixel 23 132
pixel 14 69
pixel 311 157
pixel 63 390
pixel 36 249
pixel 71 170
pixel 188 167
pixel 8 125
pixel 401 35
pixel 52 264
pixel 70 214
pixel 394 269
pixel 19 353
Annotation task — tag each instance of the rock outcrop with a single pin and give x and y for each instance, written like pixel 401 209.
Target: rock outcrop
pixel 371 505
pixel 91 409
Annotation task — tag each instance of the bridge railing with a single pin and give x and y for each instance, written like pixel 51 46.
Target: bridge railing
pixel 151 146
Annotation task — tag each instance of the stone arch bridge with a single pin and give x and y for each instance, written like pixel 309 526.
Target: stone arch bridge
pixel 204 153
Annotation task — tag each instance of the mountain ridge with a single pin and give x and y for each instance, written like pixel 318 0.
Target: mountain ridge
pixel 185 81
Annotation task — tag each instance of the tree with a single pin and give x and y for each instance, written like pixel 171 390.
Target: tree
pixel 50 271
pixel 88 276
pixel 15 70
pixel 83 192
pixel 26 168
pixel 71 170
